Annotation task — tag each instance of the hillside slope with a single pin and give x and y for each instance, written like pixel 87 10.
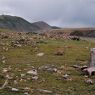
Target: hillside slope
pixel 20 24
pixel 42 25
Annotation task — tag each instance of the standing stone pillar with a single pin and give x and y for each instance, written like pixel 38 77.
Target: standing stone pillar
pixel 92 58
pixel 91 67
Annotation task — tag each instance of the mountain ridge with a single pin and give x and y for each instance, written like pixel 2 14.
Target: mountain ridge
pixel 19 24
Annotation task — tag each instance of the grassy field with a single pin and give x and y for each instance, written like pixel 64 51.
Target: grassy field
pixel 22 59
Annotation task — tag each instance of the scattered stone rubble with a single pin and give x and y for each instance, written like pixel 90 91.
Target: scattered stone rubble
pixel 89 81
pixel 4 36
pixel 33 73
pixel 3 59
pixel 23 41
pixel 5 49
pixel 49 68
pixel 67 77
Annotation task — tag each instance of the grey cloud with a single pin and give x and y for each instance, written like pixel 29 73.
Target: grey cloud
pixel 65 13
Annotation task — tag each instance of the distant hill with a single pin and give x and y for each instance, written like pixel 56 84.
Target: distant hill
pixel 42 25
pixel 55 27
pixel 20 24
pixel 15 23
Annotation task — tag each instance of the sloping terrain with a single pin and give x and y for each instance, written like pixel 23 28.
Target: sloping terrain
pixel 18 57
pixel 42 25
pixel 16 23
pixel 20 24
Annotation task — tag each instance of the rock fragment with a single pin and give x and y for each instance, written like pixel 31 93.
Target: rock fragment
pixel 32 72
pixel 35 77
pixel 40 54
pixel 15 89
pixel 49 68
pixel 89 81
pixel 45 91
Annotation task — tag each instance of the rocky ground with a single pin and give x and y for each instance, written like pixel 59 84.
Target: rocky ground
pixel 33 64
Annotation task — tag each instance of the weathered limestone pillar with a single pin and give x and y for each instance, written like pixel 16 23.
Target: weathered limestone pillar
pixel 92 59
pixel 91 67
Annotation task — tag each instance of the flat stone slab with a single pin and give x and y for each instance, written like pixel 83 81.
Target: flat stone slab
pixel 90 70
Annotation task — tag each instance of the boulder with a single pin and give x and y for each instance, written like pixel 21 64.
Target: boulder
pixel 59 51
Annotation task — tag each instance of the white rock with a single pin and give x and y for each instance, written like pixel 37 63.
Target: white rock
pixel 32 72
pixel 4 61
pixel 66 75
pixel 26 93
pixel 27 88
pixel 15 82
pixel 89 81
pixel 15 89
pixel 4 70
pixel 9 77
pixel 35 78
pixel 45 91
pixel 6 49
pixel 22 75
pixel 3 57
pixel 40 54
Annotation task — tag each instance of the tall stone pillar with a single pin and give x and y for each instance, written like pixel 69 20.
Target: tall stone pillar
pixel 92 58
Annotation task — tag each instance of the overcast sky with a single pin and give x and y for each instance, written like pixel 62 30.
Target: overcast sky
pixel 64 13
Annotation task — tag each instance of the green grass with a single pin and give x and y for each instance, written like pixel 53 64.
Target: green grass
pixel 76 52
